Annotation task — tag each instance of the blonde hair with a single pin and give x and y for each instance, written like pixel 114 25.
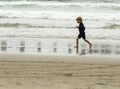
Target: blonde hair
pixel 79 18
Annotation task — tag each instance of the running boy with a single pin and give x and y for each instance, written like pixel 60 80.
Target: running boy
pixel 81 33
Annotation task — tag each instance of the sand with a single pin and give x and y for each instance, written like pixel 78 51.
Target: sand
pixel 20 71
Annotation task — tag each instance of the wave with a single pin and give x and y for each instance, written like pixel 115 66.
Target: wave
pixel 18 25
pixel 112 26
pixel 60 10
pixel 60 4
pixel 60 15
pixel 67 0
pixel 55 36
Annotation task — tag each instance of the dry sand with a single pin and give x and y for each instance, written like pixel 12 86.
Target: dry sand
pixel 59 72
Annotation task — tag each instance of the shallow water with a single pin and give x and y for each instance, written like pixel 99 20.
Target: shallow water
pixel 57 46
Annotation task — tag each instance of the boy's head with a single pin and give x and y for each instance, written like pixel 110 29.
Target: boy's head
pixel 79 19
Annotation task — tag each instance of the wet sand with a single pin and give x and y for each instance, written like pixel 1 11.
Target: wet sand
pixel 57 46
pixel 22 71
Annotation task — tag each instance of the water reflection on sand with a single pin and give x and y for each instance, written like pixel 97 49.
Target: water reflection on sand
pixel 55 47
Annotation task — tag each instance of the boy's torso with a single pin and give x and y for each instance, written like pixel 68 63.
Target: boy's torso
pixel 81 28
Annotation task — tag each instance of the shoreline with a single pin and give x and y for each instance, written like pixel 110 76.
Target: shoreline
pixel 62 58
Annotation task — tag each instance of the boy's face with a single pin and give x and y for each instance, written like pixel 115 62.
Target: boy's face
pixel 78 20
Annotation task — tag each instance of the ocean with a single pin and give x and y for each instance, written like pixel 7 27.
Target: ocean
pixel 55 19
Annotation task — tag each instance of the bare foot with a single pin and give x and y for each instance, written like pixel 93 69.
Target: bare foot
pixel 90 48
pixel 75 46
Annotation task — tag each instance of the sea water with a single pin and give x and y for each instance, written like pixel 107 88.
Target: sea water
pixel 55 19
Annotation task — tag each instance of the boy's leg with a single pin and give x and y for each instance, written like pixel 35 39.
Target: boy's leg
pixel 77 41
pixel 90 45
pixel 77 44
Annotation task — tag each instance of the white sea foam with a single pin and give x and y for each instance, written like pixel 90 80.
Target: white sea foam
pixel 48 3
pixel 60 10
pixel 60 15
pixel 56 19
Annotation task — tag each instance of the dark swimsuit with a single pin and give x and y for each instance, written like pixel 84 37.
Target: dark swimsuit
pixel 81 31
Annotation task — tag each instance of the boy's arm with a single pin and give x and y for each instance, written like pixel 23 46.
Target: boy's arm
pixel 77 27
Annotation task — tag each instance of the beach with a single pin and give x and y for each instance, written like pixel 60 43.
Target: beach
pixel 37 39
pixel 23 71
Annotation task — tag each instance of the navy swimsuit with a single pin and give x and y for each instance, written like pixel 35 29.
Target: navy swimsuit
pixel 81 31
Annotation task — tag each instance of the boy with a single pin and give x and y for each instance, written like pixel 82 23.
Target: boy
pixel 81 33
